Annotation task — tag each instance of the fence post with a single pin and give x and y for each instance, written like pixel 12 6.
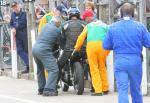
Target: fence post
pixel 30 26
pixel 110 71
pixel 14 56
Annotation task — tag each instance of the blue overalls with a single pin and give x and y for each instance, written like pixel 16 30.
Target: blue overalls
pixel 127 38
pixel 43 54
pixel 19 22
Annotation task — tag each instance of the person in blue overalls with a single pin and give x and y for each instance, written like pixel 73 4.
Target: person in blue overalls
pixel 43 54
pixel 127 38
pixel 18 25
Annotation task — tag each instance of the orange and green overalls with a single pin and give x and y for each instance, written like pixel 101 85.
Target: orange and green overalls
pixel 95 33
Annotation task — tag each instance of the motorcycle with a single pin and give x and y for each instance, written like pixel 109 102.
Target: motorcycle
pixel 73 74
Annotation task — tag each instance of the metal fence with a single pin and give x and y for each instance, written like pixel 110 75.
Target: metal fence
pixel 5 43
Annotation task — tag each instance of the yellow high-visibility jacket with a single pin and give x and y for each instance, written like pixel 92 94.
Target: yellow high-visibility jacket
pixel 45 19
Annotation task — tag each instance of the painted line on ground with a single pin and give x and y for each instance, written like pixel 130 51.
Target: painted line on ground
pixel 17 99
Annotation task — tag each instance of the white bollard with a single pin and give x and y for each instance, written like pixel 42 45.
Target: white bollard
pixel 110 71
pixel 14 56
pixel 33 38
pixel 144 79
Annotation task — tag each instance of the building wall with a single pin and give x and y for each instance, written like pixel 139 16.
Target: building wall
pixel 42 3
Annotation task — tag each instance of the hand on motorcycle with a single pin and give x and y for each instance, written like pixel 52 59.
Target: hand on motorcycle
pixel 74 53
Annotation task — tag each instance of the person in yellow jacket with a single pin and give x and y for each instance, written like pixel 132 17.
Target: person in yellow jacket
pixel 95 33
pixel 59 11
pixel 45 19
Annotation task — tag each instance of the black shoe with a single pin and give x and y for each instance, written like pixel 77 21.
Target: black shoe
pixel 105 92
pixel 40 91
pixel 25 71
pixel 92 89
pixel 49 93
pixel 97 94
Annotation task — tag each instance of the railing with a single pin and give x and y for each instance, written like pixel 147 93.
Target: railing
pixel 5 46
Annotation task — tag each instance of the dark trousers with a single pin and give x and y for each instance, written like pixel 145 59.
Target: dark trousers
pixel 22 48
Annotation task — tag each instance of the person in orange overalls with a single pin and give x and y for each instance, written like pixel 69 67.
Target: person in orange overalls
pixel 95 33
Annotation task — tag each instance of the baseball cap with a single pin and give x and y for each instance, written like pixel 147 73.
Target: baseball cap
pixel 61 8
pixel 87 13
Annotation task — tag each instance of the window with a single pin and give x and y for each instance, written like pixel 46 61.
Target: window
pixel 148 23
pixel 147 3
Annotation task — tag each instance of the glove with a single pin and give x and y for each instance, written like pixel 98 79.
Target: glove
pixel 76 54
pixel 73 53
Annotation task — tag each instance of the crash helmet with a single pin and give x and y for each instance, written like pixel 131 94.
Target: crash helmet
pixel 73 11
